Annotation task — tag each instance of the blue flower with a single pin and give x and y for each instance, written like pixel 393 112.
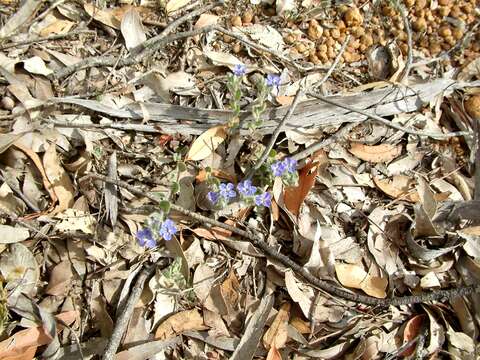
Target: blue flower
pixel 239 70
pixel 264 199
pixel 213 196
pixel 290 165
pixel 246 188
pixel 273 80
pixel 227 191
pixel 278 168
pixel 145 238
pixel 168 229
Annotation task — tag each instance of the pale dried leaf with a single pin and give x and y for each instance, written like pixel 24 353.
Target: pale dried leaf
pixel 36 65
pixel 376 153
pixel 174 5
pixel 206 143
pixel 276 336
pixel 10 234
pixel 180 322
pixel 132 29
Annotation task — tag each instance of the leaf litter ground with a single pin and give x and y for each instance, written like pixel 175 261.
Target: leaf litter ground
pixel 113 111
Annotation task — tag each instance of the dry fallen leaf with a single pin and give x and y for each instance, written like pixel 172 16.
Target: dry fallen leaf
pixel 206 143
pixel 294 195
pixel 26 341
pixel 180 322
pixel 132 29
pixel 274 354
pixel 58 177
pixel 205 20
pixel 377 153
pixel 398 187
pixel 277 335
pixel 174 5
pixel 355 277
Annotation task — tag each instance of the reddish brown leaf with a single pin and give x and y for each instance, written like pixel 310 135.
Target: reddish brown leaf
pixel 22 344
pixel 412 329
pixel 294 195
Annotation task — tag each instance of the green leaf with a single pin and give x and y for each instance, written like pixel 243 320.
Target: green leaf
pixel 272 153
pixel 181 166
pixel 164 205
pixel 175 187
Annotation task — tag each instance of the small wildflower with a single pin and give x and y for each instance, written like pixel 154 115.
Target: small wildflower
pixel 213 196
pixel 278 168
pixel 227 191
pixel 168 229
pixel 290 165
pixel 264 199
pixel 145 238
pixel 273 80
pixel 239 70
pixel 246 188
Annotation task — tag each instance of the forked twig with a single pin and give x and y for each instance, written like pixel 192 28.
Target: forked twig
pixel 256 240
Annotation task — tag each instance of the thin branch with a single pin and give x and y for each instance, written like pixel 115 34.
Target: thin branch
pixel 126 313
pixel 154 43
pixel 46 38
pixel 130 60
pixel 276 133
pixel 408 29
pixel 389 123
pixel 334 138
pixel 335 63
pixel 261 48
pixel 256 240
pixel 117 126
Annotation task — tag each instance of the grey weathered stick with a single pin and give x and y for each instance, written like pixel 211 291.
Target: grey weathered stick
pixel 406 24
pixel 476 126
pixel 46 38
pixel 390 123
pixel 335 63
pixel 299 269
pixel 253 331
pixel 123 319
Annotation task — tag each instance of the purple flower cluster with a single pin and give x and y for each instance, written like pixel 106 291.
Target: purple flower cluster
pixel 264 199
pixel 273 80
pixel 288 165
pixel 146 237
pixel 244 188
pixel 239 70
pixel 225 192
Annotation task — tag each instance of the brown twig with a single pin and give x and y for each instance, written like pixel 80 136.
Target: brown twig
pixel 154 43
pixel 126 313
pixel 408 29
pixel 130 60
pixel 46 38
pixel 262 48
pixel 298 269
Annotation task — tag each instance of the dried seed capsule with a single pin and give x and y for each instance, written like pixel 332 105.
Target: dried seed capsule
pixel 247 17
pixel 236 20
